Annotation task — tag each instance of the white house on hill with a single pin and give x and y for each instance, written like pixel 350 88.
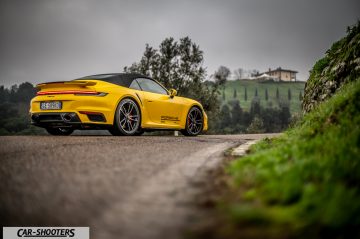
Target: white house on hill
pixel 278 74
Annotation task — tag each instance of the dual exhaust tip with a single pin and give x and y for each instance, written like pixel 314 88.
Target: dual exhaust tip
pixel 68 117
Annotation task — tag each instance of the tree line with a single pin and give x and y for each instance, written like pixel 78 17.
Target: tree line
pixel 14 109
pixel 233 119
pixel 178 65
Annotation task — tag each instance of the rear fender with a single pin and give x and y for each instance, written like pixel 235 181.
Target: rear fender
pixel 134 96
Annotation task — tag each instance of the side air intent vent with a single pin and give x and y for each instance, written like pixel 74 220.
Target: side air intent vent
pixel 96 117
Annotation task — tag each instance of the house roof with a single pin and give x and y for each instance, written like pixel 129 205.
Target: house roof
pixel 280 69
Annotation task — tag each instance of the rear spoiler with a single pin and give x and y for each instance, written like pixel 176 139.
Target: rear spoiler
pixel 61 83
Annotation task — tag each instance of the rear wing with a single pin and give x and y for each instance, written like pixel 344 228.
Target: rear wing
pixel 56 84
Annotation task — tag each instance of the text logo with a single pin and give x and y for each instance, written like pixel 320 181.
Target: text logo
pixel 46 232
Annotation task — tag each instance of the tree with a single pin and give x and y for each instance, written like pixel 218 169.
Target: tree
pixel 256 92
pixel 245 97
pixel 266 94
pixel 236 112
pixel 14 110
pixel 225 117
pixel 221 75
pixel 235 94
pixel 179 65
pixel 25 92
pixel 13 96
pixel 277 94
pixel 284 114
pixel 255 108
pixel 4 94
pixel 256 126
pixel 270 117
pixel 239 73
pixel 289 94
pixel 223 95
pixel 246 119
pixel 254 72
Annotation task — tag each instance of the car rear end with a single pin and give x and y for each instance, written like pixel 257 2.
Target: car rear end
pixel 76 104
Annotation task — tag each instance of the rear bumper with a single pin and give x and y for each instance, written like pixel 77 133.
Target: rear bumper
pixel 67 119
pixel 87 108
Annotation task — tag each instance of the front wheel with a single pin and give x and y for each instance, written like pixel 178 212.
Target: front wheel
pixel 194 122
pixel 60 131
pixel 127 118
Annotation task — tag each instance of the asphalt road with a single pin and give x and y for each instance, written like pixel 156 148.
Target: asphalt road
pixel 122 187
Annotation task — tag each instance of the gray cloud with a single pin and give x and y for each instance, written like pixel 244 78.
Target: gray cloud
pixel 48 40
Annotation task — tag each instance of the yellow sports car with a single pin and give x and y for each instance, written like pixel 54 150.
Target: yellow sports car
pixel 125 104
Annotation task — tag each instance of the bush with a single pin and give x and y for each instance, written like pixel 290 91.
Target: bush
pixel 307 180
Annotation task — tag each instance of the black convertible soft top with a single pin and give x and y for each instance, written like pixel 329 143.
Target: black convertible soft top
pixel 122 79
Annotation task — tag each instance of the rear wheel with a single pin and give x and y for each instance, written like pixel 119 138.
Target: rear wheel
pixel 194 122
pixel 60 131
pixel 127 118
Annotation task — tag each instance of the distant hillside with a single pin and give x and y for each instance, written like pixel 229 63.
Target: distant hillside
pixel 239 85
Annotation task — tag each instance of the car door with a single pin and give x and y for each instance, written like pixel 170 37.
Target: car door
pixel 161 108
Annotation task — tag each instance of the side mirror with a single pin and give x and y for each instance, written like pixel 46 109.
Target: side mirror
pixel 172 92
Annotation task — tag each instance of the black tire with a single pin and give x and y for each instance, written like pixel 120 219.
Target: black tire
pixel 127 119
pixel 139 132
pixel 194 122
pixel 114 131
pixel 64 131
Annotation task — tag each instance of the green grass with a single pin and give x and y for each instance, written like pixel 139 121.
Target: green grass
pixel 306 182
pixel 251 85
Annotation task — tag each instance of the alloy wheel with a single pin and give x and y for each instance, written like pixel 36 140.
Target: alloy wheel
pixel 194 121
pixel 129 116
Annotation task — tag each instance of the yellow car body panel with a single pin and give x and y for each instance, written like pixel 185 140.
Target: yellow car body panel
pixel 158 111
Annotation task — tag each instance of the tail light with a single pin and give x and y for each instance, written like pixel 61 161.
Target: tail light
pixel 74 92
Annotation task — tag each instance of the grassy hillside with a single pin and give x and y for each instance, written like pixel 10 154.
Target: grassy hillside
pixel 302 184
pixel 251 86
pixel 308 179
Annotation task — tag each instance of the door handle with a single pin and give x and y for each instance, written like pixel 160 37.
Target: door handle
pixel 149 101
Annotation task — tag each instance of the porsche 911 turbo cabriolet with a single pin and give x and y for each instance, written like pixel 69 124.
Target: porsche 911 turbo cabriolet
pixel 123 103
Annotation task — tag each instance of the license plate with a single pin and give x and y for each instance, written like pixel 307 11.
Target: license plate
pixel 51 105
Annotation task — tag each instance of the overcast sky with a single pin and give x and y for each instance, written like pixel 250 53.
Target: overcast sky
pixel 50 40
